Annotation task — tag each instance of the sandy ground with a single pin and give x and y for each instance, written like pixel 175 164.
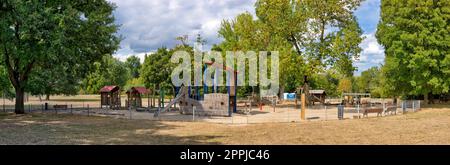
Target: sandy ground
pixel 429 126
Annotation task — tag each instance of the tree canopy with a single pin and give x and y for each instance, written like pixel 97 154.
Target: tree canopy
pixel 416 38
pixel 67 34
pixel 110 71
pixel 299 31
pixel 134 64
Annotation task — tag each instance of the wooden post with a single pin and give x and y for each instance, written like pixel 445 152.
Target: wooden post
pixel 88 109
pixel 303 112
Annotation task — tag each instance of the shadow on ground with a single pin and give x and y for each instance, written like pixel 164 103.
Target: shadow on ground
pixel 38 129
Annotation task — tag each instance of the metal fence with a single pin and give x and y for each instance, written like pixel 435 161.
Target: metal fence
pixel 284 113
pixel 410 106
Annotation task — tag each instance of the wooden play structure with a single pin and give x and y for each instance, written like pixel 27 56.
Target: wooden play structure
pixel 134 96
pixel 317 96
pixel 110 97
pixel 209 102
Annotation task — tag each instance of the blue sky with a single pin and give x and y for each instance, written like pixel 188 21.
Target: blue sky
pixel 148 25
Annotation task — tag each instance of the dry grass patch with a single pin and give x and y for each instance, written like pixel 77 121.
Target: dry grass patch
pixel 429 126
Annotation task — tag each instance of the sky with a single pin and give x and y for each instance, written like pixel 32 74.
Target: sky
pixel 148 25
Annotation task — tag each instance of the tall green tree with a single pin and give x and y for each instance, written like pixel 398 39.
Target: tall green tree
pixel 369 80
pixel 110 71
pixel 298 30
pixel 156 69
pixel 134 64
pixel 416 37
pixel 70 33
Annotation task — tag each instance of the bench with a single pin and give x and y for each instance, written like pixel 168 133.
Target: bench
pixel 366 111
pixel 391 110
pixel 60 106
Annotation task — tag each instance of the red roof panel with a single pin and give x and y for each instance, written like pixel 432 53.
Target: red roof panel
pixel 141 90
pixel 109 88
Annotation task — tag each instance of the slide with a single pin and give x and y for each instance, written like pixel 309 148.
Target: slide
pixel 180 96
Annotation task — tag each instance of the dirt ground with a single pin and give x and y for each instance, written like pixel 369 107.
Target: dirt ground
pixel 429 126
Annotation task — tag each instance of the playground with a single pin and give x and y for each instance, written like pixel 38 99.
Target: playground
pixel 285 112
pixel 428 126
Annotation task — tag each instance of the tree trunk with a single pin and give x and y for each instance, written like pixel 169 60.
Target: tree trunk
pixel 425 98
pixel 47 97
pixel 19 101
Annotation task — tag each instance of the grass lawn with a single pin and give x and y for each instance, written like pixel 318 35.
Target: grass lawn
pixel 429 126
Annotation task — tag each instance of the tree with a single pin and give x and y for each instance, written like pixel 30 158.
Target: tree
pixel 110 71
pixel 327 81
pixel 5 85
pixel 134 64
pixel 345 85
pixel 282 25
pixel 53 79
pixel 369 80
pixel 69 33
pixel 416 36
pixel 156 69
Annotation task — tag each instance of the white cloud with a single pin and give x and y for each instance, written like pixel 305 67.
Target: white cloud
pixel 372 54
pixel 148 25
pixel 141 56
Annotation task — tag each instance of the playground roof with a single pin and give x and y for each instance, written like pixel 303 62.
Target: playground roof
pixel 317 92
pixel 140 90
pixel 111 88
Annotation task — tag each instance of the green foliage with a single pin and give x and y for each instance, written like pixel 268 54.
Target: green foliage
pixel 157 68
pixel 282 25
pixel 52 80
pixel 135 82
pixel 66 34
pixel 416 37
pixel 134 64
pixel 345 85
pixel 326 81
pixel 5 85
pixel 110 71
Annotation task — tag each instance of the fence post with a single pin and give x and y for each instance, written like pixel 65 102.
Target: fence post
pixel 419 104
pixel 29 108
pixel 88 109
pixel 193 113
pixel 413 107
pixel 71 109
pixel 326 113
pixel 359 111
pixel 340 112
pixel 129 109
